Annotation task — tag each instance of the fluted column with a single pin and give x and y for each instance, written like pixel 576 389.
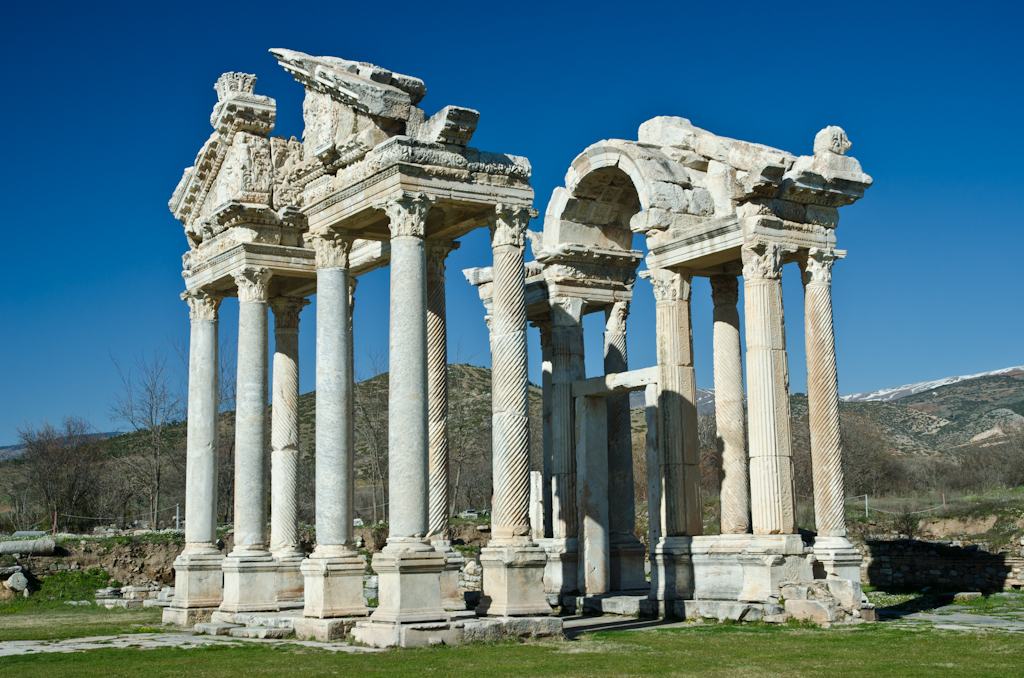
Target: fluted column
pixel 513 580
pixel 250 573
pixel 197 570
pixel 772 489
pixel 251 413
pixel 203 406
pixel 823 395
pixel 732 447
pixel 284 454
pixel 437 378
pixel 332 574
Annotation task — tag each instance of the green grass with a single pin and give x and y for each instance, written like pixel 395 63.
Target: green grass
pixel 51 591
pixel 56 621
pixel 709 651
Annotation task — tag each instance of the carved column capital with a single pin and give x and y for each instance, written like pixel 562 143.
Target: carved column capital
pixel 201 305
pixel 508 224
pixel 545 332
pixel 437 252
pixel 286 311
pixel 252 283
pixel 762 261
pixel 615 317
pixel 407 213
pixel 332 249
pixel 566 311
pixel 725 290
pixel 817 265
pixel 670 286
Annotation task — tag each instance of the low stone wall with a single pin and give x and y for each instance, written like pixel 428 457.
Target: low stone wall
pixel 915 564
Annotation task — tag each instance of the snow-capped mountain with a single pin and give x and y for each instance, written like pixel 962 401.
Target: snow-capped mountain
pixel 890 394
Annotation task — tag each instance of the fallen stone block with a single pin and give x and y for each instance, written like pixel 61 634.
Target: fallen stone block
pixel 483 631
pixel 215 628
pixel 323 630
pixel 964 596
pixel 812 610
pixel 776 618
pixel 259 632
pixel 533 627
pixel 35 547
pixel 16 582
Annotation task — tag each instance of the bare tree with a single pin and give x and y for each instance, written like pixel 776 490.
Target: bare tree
pixel 150 403
pixel 469 435
pixel 371 414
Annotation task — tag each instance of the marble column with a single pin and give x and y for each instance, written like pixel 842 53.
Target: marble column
pixel 333 574
pixel 546 356
pixel 831 547
pixel 197 571
pixel 284 454
pixel 513 565
pixel 409 568
pixel 437 424
pixel 679 453
pixel 567 366
pixel 729 416
pixel 772 489
pixel 593 485
pixel 250 572
pixel 626 568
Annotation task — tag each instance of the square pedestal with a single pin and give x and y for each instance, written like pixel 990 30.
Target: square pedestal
pixel 290 586
pixel 250 583
pixel 746 567
pixel 409 585
pixel 627 566
pixel 198 581
pixel 671 569
pixel 561 571
pixel 451 597
pixel 513 581
pixel 334 586
pixel 839 557
pixel 187 617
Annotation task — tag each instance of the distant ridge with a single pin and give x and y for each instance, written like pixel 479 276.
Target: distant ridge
pixel 889 394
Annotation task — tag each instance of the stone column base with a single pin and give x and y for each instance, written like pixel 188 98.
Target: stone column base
pixel 409 585
pixel 198 580
pixel 290 587
pixel 513 581
pixel 839 557
pixel 627 566
pixel 323 630
pixel 250 583
pixel 334 586
pixel 187 617
pixel 561 571
pixel 451 597
pixel 770 559
pixel 671 569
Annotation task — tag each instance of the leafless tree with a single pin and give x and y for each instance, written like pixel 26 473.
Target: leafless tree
pixel 469 436
pixel 149 404
pixel 371 414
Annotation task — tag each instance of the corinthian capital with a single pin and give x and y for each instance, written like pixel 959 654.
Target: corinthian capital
pixel 437 252
pixel 670 286
pixel 615 317
pixel 508 224
pixel 762 261
pixel 407 213
pixel 252 283
pixel 286 311
pixel 725 290
pixel 817 266
pixel 201 306
pixel 332 249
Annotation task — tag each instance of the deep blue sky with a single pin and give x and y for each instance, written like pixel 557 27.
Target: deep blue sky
pixel 105 105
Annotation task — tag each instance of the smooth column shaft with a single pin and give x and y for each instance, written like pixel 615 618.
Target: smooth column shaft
pixel 334 420
pixel 567 366
pixel 250 429
pixel 201 459
pixel 407 407
pixel 546 384
pixel 729 416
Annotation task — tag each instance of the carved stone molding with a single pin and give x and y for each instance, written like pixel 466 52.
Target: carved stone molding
pixel 286 311
pixel 407 213
pixel 725 290
pixel 545 332
pixel 508 224
pixel 202 306
pixel 817 266
pixel 332 249
pixel 615 317
pixel 670 286
pixel 252 283
pixel 762 260
pixel 566 311
pixel 437 253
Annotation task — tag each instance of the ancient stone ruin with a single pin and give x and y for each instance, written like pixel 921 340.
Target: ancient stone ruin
pixel 375 182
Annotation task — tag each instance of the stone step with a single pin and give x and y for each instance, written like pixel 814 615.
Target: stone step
pixel 215 628
pixel 156 603
pixel 279 620
pixel 259 632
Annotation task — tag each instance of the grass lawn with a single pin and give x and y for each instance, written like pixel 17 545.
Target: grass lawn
pixel 710 651
pixel 55 622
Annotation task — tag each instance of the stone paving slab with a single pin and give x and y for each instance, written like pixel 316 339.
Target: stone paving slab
pixel 147 641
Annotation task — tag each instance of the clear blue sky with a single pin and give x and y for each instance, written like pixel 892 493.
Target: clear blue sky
pixel 104 106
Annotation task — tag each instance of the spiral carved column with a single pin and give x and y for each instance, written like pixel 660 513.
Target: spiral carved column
pixel 729 417
pixel 437 378
pixel 772 488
